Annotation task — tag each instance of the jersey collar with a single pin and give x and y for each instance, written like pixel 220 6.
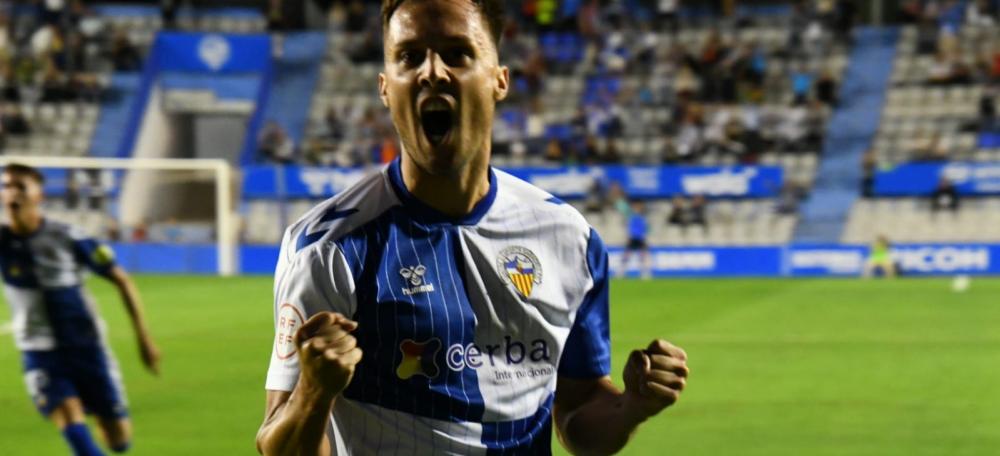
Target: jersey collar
pixel 422 212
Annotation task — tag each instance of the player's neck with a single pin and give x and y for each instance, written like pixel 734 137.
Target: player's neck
pixel 454 196
pixel 26 223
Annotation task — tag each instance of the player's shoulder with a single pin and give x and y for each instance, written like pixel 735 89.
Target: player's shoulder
pixel 516 195
pixel 62 229
pixel 341 214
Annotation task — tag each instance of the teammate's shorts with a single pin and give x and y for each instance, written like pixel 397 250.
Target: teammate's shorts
pixel 89 374
pixel 636 244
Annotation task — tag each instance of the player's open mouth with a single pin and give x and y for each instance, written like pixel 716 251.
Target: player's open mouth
pixel 436 120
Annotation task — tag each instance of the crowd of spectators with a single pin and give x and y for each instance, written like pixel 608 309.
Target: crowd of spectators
pixel 53 51
pixel 715 91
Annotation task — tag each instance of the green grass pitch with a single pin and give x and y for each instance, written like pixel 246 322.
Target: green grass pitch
pixel 779 367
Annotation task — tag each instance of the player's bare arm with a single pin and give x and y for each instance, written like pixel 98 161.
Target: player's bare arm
pixel 593 417
pixel 295 422
pixel 133 304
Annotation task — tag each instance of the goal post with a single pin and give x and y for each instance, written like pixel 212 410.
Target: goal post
pixel 225 222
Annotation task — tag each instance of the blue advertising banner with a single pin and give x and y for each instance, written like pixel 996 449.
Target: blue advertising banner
pixel 811 260
pixel 637 181
pixel 922 178
pixel 215 53
pixel 700 262
pixel 762 261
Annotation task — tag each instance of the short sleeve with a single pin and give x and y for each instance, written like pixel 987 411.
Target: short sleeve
pixel 588 347
pixel 95 255
pixel 307 282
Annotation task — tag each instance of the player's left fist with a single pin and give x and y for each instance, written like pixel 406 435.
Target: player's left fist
pixel 654 378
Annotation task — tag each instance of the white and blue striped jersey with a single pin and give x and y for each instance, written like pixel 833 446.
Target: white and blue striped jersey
pixel 43 284
pixel 465 323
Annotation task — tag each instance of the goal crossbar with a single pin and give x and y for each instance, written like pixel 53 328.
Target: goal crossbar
pixel 225 219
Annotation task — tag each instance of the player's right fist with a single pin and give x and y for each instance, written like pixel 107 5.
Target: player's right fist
pixel 327 351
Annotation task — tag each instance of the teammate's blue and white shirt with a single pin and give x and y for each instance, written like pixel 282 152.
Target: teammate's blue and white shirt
pixel 464 324
pixel 55 321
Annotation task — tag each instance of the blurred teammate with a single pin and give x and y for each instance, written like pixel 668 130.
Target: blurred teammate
pixel 68 367
pixel 442 306
pixel 638 228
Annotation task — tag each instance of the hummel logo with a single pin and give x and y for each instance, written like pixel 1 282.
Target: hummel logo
pixel 415 276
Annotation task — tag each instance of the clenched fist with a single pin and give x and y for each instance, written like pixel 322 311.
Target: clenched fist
pixel 327 351
pixel 655 377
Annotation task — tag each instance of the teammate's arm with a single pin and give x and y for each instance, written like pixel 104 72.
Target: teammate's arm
pixel 133 304
pixel 593 417
pixel 295 422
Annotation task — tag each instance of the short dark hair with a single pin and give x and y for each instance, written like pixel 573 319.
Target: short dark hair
pixel 18 169
pixel 491 10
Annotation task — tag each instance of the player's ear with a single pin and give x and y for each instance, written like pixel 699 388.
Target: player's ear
pixel 502 83
pixel 382 93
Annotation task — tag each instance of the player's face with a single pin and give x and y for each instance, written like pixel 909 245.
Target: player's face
pixel 19 193
pixel 441 83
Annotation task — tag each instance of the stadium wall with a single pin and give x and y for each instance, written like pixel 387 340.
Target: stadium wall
pixel 759 261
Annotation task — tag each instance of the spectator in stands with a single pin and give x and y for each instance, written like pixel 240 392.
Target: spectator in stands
pixel 46 41
pixel 789 197
pixel 638 229
pixel 6 44
pixel 869 165
pixel 826 88
pixel 610 155
pixel 554 151
pixel 945 197
pixel 931 148
pixel 275 145
pixel 987 110
pixel 845 14
pixel 333 128
pixel 140 231
pixel 51 11
pixel 666 15
pixel 802 84
pixel 71 199
pixel 618 199
pixel 927 36
pixel 318 152
pixel 370 49
pixel 942 71
pixel 9 91
pixel 689 141
pixel 168 13
pixel 357 17
pixel 598 198
pixel 678 211
pixel 910 11
pixel 13 121
pixel 124 55
pixel 54 88
pixel 979 13
pixel 113 231
pixel 696 212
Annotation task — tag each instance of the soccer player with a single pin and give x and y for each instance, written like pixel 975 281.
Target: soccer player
pixel 441 306
pixel 637 230
pixel 68 367
pixel 880 259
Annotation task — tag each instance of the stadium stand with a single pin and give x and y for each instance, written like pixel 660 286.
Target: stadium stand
pixel 755 92
pixel 758 89
pixel 939 110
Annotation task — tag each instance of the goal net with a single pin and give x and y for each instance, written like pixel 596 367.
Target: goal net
pixel 166 213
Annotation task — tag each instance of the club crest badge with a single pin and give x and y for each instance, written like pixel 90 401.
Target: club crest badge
pixel 520 267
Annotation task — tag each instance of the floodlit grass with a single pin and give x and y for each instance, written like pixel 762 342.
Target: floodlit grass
pixel 790 367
